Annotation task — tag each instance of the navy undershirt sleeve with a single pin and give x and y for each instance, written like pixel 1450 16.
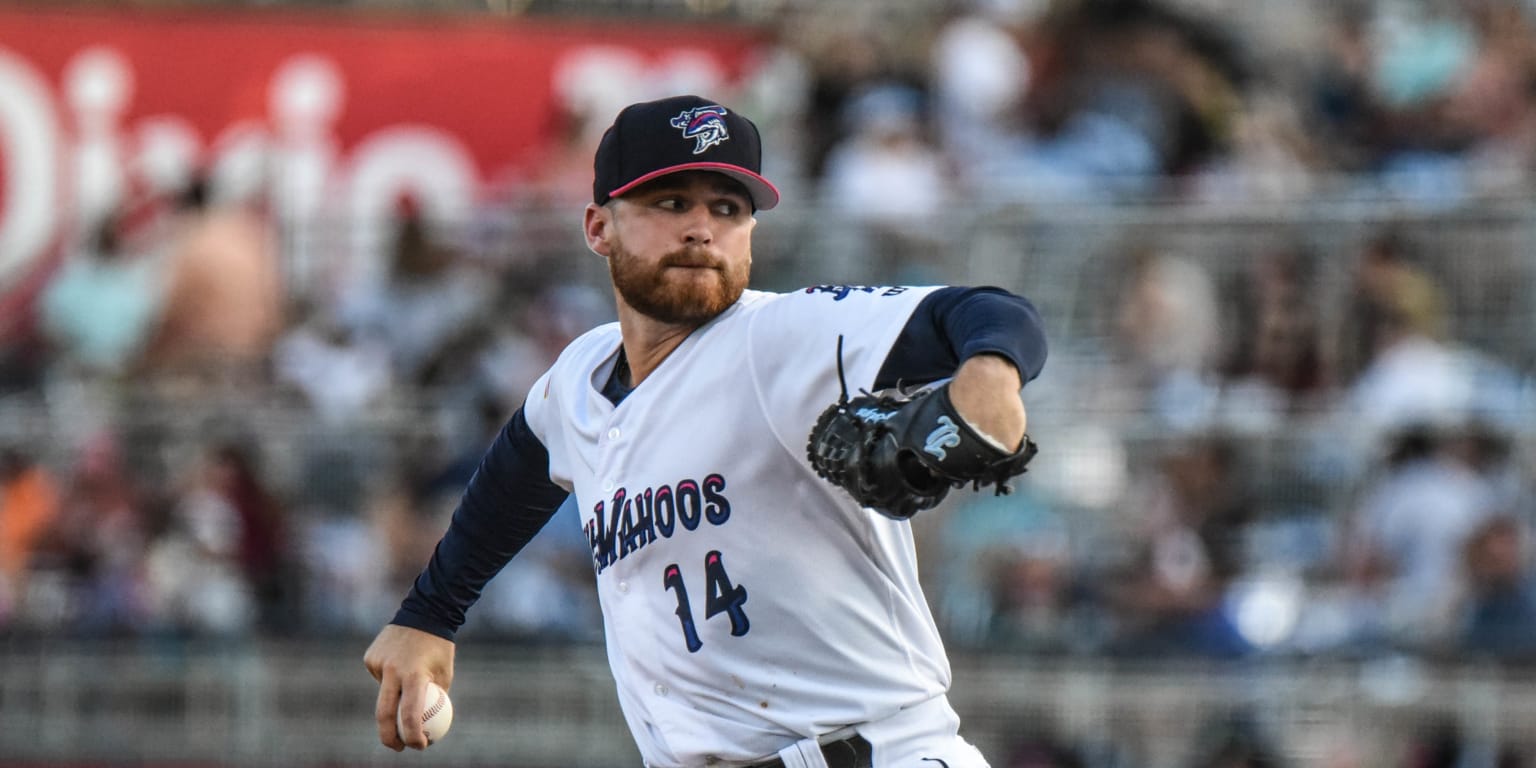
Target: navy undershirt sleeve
pixel 509 498
pixel 955 323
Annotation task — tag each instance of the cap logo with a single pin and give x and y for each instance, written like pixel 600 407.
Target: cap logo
pixel 705 125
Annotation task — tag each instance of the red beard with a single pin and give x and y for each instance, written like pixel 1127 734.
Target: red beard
pixel 681 297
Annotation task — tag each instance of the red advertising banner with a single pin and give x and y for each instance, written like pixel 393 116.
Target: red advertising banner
pixel 323 113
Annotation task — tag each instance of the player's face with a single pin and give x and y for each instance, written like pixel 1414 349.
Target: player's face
pixel 680 248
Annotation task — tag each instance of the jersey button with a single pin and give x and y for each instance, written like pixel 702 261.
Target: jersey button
pixel 608 485
pixel 623 586
pixel 661 689
pixel 613 434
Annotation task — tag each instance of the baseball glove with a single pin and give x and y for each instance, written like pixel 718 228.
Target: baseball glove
pixel 899 454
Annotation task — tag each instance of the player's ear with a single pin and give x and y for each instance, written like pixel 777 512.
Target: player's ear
pixel 598 227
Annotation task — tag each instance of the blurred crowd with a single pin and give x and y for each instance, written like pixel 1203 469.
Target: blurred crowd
pixel 1103 99
pixel 1278 451
pixel 221 457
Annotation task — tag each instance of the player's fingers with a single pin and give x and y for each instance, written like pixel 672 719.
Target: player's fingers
pixel 373 658
pixel 413 699
pixel 384 711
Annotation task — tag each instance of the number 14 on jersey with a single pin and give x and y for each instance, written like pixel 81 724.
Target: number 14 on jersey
pixel 720 596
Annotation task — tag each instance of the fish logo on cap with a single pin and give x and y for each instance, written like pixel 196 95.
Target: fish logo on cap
pixel 705 125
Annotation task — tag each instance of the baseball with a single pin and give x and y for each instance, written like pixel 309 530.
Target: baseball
pixel 435 718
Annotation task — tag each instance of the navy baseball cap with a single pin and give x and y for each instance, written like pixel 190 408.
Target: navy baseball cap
pixel 682 133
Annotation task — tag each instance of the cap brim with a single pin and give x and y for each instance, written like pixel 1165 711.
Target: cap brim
pixel 764 194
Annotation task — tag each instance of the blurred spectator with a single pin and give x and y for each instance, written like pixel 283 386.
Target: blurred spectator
pixel 1186 548
pixel 981 74
pixel 523 345
pixel 1498 610
pixel 1273 355
pixel 333 543
pixel 1273 157
pixel 888 181
pixel 1007 576
pixel 428 299
pixel 1410 370
pixel 104 303
pixel 1341 100
pixel 1394 296
pixel 264 532
pixel 405 512
pixel 339 375
pixel 100 539
pixel 220 569
pixel 1407 373
pixel 847 49
pixel 1420 52
pixel 223 307
pixel 1129 94
pixel 1492 104
pixel 1404 544
pixel 29 503
pixel 25 355
pixel 549 595
pixel 1166 324
pixel 1490 451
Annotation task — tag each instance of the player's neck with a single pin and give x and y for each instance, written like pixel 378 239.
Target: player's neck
pixel 647 343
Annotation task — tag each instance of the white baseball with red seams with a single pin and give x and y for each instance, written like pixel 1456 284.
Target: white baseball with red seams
pixel 436 716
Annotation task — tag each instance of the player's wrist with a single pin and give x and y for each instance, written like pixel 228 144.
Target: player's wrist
pixel 985 393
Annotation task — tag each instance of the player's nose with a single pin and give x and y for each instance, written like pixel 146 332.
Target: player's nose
pixel 698 227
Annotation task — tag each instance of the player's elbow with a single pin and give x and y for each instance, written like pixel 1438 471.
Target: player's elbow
pixel 1029 333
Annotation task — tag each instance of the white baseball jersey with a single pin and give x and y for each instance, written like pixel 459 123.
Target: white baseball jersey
pixel 747 602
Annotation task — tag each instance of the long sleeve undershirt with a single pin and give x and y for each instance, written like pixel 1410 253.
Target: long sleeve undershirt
pixel 510 497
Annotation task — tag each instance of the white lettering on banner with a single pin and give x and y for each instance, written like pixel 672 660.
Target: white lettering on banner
pixel 294 157
pixel 168 149
pixel 99 84
pixel 423 159
pixel 239 160
pixel 305 98
pixel 70 157
pixel 29 139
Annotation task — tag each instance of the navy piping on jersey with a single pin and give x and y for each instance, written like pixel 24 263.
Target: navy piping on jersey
pixel 617 387
pixel 510 497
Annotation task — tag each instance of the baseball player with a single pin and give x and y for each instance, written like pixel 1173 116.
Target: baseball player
pixel 747 519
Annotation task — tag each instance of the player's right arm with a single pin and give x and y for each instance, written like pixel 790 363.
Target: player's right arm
pixel 507 501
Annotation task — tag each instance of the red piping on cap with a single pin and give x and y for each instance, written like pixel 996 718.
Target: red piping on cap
pixel 764 194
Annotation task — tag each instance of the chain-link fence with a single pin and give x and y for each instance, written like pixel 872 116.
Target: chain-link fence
pixel 300 704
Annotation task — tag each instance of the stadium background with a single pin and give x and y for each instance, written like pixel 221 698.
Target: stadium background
pixel 270 271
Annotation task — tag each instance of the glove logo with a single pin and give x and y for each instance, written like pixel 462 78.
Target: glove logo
pixel 874 415
pixel 705 125
pixel 947 435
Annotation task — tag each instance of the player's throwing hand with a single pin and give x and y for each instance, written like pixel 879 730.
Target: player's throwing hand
pixel 403 660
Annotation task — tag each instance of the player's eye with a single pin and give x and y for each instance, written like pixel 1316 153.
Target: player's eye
pixel 727 208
